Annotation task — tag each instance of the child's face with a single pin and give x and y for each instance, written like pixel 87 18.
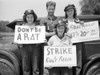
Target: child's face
pixel 60 30
pixel 70 12
pixel 50 10
pixel 30 18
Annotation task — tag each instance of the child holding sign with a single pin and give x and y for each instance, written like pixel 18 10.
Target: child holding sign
pixel 60 40
pixel 30 51
pixel 72 21
pixel 71 16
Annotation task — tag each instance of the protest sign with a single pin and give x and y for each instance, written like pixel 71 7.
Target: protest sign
pixel 88 32
pixel 60 56
pixel 29 34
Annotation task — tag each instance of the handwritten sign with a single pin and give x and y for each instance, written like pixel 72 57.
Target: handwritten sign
pixel 88 32
pixel 29 34
pixel 60 56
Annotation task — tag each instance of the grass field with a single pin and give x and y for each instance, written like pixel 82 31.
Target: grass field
pixel 6 38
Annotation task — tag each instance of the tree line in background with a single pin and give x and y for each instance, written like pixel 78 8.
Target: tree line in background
pixel 88 7
pixel 4 28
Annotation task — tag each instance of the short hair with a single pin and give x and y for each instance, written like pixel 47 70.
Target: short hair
pixel 68 7
pixel 29 12
pixel 50 3
pixel 61 23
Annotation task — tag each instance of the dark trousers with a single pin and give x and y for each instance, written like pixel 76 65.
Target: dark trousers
pixel 30 56
pixel 60 71
pixel 41 57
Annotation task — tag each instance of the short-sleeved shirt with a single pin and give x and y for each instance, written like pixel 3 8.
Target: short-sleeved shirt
pixel 56 41
pixel 49 23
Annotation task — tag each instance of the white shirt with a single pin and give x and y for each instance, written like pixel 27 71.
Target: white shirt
pixel 56 41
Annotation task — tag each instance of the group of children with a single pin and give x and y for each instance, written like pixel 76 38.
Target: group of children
pixel 56 35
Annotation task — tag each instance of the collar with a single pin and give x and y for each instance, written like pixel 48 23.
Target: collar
pixel 54 18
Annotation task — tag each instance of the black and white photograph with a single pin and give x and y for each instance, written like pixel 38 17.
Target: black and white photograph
pixel 49 37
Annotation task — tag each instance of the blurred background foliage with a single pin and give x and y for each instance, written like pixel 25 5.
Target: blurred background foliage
pixel 4 28
pixel 90 7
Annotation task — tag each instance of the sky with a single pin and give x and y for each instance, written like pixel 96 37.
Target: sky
pixel 14 9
